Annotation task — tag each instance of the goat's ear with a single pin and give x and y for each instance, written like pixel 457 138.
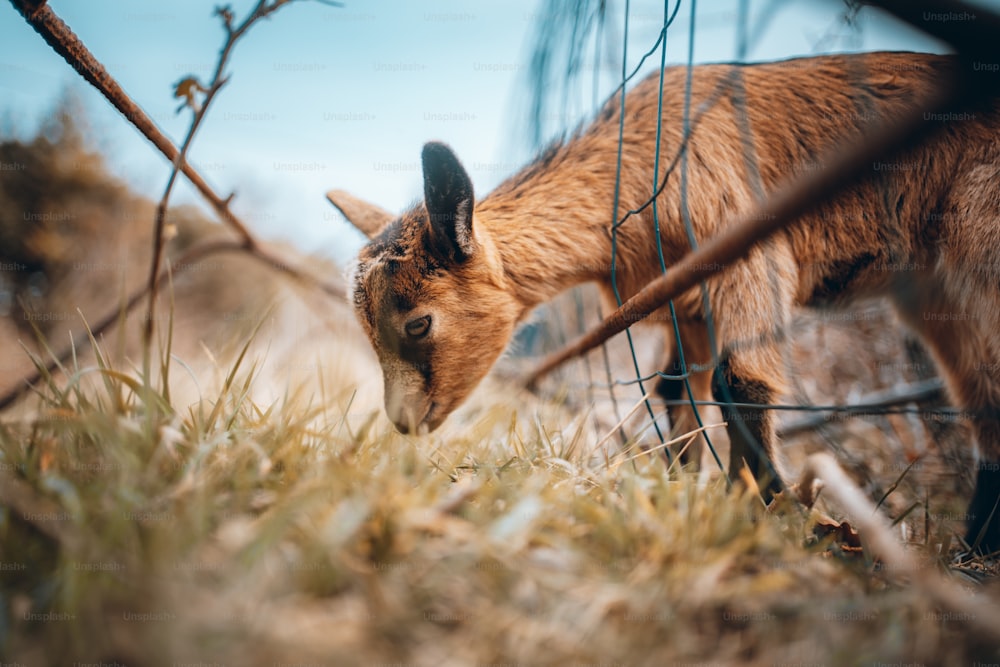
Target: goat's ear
pixel 449 199
pixel 368 218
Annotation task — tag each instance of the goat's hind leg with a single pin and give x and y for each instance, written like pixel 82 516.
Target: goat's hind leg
pixel 962 340
pixel 748 378
pixel 984 510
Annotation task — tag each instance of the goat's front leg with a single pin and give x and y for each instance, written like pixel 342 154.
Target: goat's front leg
pixel 698 365
pixel 745 378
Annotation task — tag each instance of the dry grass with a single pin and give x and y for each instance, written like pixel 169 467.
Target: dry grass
pixel 303 530
pixel 249 504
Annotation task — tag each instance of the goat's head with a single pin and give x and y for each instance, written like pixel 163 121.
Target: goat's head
pixel 430 292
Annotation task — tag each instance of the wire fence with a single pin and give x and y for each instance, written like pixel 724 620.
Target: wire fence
pixel 774 212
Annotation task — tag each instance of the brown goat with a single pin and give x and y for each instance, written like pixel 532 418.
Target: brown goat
pixel 440 289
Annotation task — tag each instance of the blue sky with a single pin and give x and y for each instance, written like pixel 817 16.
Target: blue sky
pixel 325 97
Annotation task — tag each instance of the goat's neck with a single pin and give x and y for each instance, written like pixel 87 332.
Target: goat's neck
pixel 550 234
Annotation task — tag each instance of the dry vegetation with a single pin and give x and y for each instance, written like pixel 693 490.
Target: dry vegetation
pixel 250 505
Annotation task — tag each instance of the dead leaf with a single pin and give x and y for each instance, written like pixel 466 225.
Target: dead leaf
pixel 843 533
pixel 188 88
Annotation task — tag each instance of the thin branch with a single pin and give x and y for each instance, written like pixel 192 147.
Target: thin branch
pixel 877 536
pixel 64 42
pixel 874 403
pixel 219 79
pixel 975 41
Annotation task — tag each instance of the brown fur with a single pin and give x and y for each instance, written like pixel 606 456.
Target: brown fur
pixel 923 231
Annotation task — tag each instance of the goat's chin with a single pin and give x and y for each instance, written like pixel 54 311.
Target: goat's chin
pixel 430 413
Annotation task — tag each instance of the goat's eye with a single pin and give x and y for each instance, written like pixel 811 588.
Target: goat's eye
pixel 418 327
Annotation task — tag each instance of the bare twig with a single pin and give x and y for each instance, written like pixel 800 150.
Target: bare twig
pixel 781 210
pixel 877 534
pixel 261 10
pixel 62 40
pixel 872 403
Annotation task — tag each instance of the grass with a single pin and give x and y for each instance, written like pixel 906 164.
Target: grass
pixel 304 531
